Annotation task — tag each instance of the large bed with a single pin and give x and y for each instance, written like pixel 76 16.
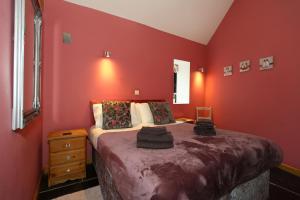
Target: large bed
pixel 230 165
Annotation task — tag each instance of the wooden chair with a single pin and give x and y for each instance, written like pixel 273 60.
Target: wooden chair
pixel 204 109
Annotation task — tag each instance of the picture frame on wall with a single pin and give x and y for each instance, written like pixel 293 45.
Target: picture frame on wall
pixel 245 66
pixel 228 71
pixel 27 55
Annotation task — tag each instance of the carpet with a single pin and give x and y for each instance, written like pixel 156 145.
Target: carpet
pixel 92 193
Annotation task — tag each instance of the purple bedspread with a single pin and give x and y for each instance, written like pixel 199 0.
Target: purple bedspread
pixel 196 168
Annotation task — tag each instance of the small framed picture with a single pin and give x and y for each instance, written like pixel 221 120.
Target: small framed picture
pixel 245 66
pixel 228 71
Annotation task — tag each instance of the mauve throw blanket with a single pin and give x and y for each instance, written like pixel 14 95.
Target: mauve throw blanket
pixel 197 167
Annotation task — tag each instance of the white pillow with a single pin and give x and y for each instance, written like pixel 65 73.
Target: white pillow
pixel 145 112
pixel 135 117
pixel 98 115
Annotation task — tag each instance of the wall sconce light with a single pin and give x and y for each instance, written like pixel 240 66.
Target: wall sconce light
pixel 201 69
pixel 107 54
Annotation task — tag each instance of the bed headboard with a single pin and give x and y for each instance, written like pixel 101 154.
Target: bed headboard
pixel 130 100
pixel 149 100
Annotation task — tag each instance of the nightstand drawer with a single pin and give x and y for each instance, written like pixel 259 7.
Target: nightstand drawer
pixel 62 179
pixel 67 144
pixel 64 170
pixel 67 157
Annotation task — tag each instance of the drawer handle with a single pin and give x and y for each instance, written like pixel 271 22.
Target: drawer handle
pixel 68 157
pixel 68 170
pixel 68 145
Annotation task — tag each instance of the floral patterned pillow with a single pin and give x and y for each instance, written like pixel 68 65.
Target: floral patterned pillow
pixel 161 113
pixel 116 114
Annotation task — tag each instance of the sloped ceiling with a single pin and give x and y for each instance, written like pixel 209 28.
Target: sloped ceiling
pixel 196 20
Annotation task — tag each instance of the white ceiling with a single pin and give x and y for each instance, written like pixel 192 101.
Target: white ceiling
pixel 196 20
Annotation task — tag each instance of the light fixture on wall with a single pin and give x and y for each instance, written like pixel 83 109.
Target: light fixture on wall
pixel 201 69
pixel 107 54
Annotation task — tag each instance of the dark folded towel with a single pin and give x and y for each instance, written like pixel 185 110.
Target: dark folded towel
pixel 154 145
pixel 153 130
pixel 155 138
pixel 205 128
pixel 205 132
pixel 204 124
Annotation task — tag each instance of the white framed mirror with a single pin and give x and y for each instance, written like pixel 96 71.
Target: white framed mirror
pixel 27 62
pixel 181 93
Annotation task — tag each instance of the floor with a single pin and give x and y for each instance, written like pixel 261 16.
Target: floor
pixel 68 187
pixel 283 186
pixel 92 193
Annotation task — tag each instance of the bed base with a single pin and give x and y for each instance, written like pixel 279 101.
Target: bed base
pixel 257 188
pixel 108 188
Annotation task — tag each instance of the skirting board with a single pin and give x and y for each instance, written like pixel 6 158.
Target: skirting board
pixel 290 169
pixel 37 189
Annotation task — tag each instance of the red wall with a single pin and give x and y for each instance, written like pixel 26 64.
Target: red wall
pixel 20 153
pixel 74 74
pixel 142 58
pixel 261 102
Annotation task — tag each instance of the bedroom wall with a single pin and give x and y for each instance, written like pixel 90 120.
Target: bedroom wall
pixel 264 103
pixel 74 74
pixel 21 154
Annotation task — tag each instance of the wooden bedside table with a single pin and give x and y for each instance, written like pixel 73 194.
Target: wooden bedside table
pixel 67 155
pixel 186 120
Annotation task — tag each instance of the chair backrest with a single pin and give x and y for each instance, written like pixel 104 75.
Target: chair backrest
pixel 201 109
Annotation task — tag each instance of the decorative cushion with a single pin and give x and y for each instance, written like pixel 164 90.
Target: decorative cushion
pixel 144 112
pixel 135 117
pixel 98 116
pixel 161 113
pixel 116 114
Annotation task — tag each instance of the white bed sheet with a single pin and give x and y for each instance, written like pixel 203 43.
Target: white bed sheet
pixel 94 132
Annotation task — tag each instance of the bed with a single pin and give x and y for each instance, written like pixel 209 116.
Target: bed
pixel 196 168
pixel 230 165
